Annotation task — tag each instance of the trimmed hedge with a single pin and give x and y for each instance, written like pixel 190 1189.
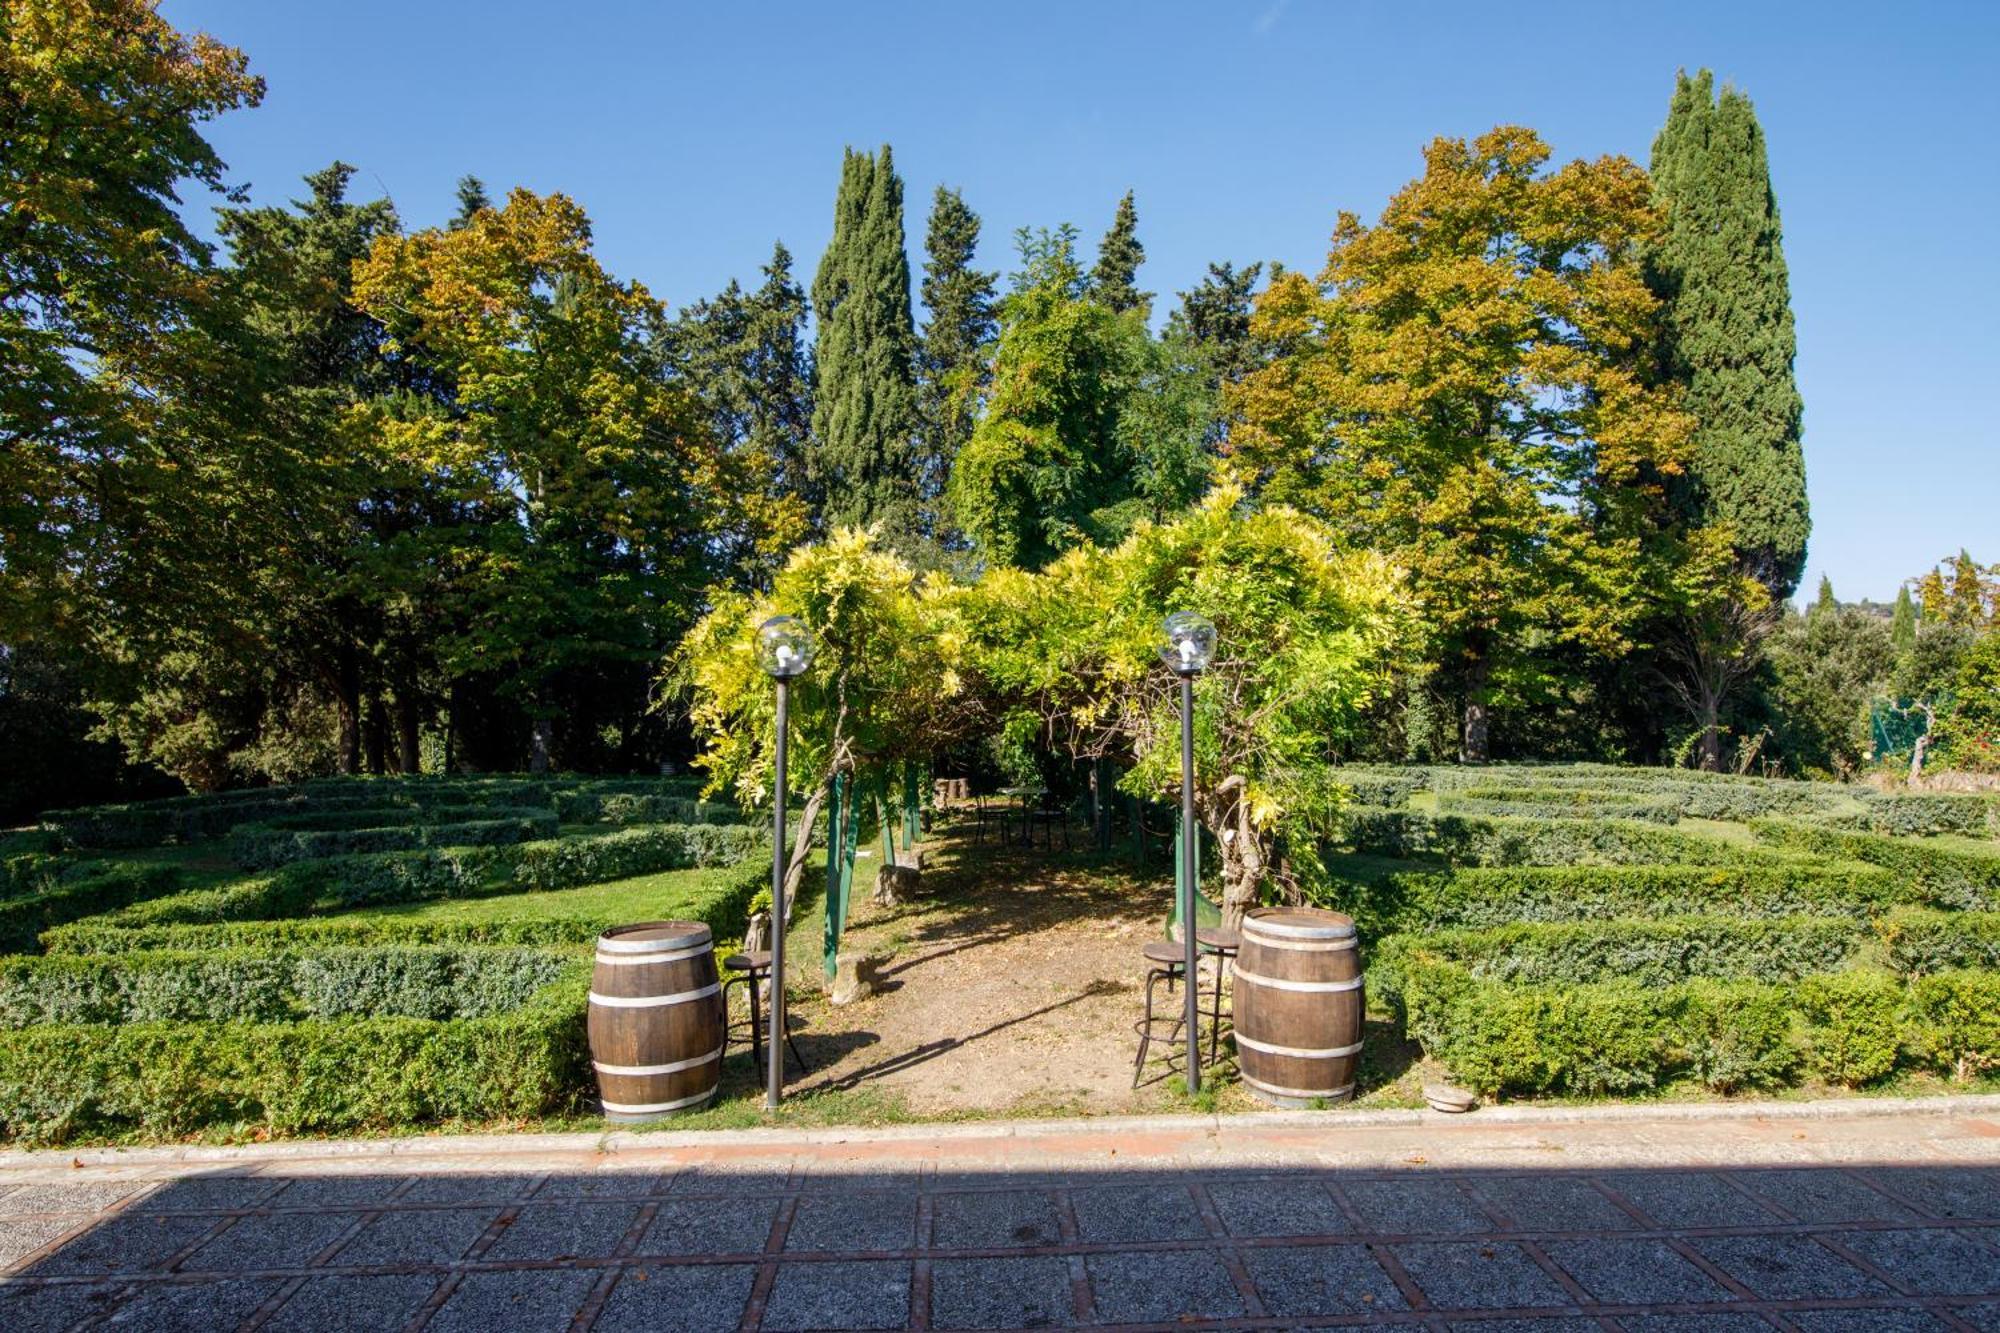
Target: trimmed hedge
pixel 263 846
pixel 1580 803
pixel 1616 1037
pixel 1468 840
pixel 725 910
pixel 1921 942
pixel 1649 953
pixel 1922 814
pixel 1391 896
pixel 243 986
pixel 1964 878
pixel 570 862
pixel 112 887
pixel 311 1076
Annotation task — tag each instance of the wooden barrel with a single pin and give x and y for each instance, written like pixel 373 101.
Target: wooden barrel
pixel 656 1020
pixel 1298 1005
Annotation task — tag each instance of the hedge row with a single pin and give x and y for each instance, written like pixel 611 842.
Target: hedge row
pixel 1847 1028
pixel 725 908
pixel 1579 804
pixel 244 986
pixel 1650 953
pixel 1395 896
pixel 110 888
pixel 311 1076
pixel 1698 795
pixel 1967 877
pixel 346 882
pixel 262 846
pixel 1470 840
pixel 1920 814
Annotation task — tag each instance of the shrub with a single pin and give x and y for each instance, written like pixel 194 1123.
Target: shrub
pixel 1556 803
pixel 569 862
pixel 1731 1038
pixel 262 846
pixel 1954 1022
pixel 1920 942
pixel 309 1076
pixel 1965 877
pixel 1465 840
pixel 1920 814
pixel 1853 1025
pixel 104 890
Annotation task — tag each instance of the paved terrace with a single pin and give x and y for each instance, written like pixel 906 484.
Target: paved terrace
pixel 1876 1215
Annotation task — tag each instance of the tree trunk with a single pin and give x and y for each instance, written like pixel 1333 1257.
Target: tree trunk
pixel 1711 740
pixel 347 699
pixel 1474 746
pixel 375 734
pixel 409 757
pixel 1245 852
pixel 538 746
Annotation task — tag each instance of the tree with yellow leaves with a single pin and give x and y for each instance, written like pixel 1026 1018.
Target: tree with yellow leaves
pixel 1464 387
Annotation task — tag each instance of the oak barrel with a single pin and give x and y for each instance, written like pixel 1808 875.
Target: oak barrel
pixel 1298 1005
pixel 656 1020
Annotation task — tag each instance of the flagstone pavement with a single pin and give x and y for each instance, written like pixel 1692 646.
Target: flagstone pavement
pixel 1875 1215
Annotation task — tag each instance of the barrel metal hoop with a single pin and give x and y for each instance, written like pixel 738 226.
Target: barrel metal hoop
pixel 616 944
pixel 649 1108
pixel 647 1071
pixel 642 959
pixel 650 1001
pixel 1264 925
pixel 1277 1091
pixel 1308 946
pixel 1298 1052
pixel 1314 987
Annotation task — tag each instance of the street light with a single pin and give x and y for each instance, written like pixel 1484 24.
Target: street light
pixel 784 650
pixel 1188 647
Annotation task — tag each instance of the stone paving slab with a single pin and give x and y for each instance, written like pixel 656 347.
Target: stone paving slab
pixel 1740 1221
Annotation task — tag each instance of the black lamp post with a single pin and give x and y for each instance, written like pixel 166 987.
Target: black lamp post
pixel 784 650
pixel 1189 644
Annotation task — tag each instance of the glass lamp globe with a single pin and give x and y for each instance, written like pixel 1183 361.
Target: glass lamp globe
pixel 1189 644
pixel 784 647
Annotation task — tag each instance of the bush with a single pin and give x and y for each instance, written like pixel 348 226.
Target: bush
pixel 1964 878
pixel 104 890
pixel 1464 840
pixel 262 846
pixel 1922 814
pixel 1731 1038
pixel 1559 803
pixel 570 862
pixel 311 1076
pixel 1954 1022
pixel 1853 1025
pixel 724 908
pixel 1921 942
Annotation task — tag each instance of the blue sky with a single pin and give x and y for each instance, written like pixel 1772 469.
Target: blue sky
pixel 695 135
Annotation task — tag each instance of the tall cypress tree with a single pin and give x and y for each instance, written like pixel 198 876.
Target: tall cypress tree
pixel 952 364
pixel 1720 271
pixel 1115 280
pixel 865 399
pixel 1903 625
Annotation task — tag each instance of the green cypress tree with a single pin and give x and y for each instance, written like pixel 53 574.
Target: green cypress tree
pixel 958 334
pixel 1903 625
pixel 1115 280
pixel 1720 271
pixel 472 200
pixel 1825 601
pixel 865 399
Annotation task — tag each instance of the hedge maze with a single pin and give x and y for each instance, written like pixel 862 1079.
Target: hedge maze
pixel 273 961
pixel 1583 931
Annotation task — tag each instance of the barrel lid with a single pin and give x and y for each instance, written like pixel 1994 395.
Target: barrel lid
pixel 1298 923
pixel 655 937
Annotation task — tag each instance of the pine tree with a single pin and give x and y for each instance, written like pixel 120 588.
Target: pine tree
pixel 1720 270
pixel 1825 601
pixel 865 402
pixel 1903 626
pixel 1216 316
pixel 1114 282
pixel 472 200
pixel 952 364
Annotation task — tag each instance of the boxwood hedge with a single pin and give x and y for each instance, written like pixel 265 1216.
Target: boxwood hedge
pixel 1470 840
pixel 1963 876
pixel 263 846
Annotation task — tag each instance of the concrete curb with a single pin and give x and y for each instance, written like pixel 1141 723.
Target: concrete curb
pixel 777 1138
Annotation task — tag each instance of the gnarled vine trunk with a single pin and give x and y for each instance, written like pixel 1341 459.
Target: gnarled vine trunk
pixel 1245 851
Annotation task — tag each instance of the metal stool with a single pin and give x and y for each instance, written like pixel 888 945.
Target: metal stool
pixel 1164 961
pixel 748 970
pixel 1223 944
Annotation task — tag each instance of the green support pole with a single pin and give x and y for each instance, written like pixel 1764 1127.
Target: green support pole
pixel 838 813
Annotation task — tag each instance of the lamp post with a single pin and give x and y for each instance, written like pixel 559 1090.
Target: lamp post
pixel 1188 646
pixel 784 650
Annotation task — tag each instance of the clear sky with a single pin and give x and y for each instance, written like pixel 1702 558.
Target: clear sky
pixel 695 135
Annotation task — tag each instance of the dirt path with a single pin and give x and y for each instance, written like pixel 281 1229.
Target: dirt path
pixel 1011 986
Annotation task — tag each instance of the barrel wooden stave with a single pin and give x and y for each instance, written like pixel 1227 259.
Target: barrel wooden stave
pixel 656 1021
pixel 1298 1005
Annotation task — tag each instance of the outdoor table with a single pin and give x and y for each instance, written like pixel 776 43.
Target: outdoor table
pixel 1025 798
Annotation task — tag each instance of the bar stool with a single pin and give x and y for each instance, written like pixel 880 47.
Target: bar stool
pixel 1164 962
pixel 749 970
pixel 1224 945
